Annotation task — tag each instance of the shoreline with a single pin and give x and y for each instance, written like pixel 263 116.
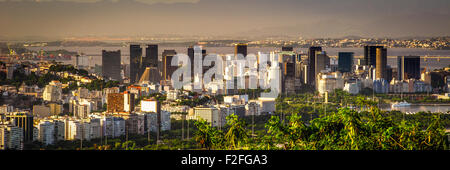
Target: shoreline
pixel 430 104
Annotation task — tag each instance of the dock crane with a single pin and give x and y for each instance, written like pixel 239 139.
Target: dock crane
pixel 11 51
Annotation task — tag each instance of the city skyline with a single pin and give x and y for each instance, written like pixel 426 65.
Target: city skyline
pixel 305 18
pixel 208 75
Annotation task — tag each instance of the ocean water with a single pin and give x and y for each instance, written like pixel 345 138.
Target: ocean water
pixel 419 108
pixel 95 53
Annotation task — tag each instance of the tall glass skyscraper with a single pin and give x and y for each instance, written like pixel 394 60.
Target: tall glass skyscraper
pixel 111 66
pixel 151 56
pixel 311 79
pixel 381 63
pixel 191 53
pixel 345 61
pixel 151 61
pixel 408 67
pixel 168 69
pixel 135 62
pixel 370 55
pixel 240 49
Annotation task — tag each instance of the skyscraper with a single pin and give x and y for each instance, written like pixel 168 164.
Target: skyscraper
pixel 381 62
pixel 81 61
pixel 311 79
pixel 345 61
pixel 115 102
pixel 289 65
pixel 191 53
pixel 53 92
pixel 135 63
pixel 287 48
pixel 388 73
pixel 408 67
pixel 24 121
pixel 11 137
pixel 120 102
pixel 288 71
pixel 168 69
pixel 322 62
pixel 240 49
pixel 128 101
pixel 151 61
pixel 370 54
pixel 151 55
pixel 111 65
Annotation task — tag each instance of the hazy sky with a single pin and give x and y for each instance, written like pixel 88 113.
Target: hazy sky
pixel 305 18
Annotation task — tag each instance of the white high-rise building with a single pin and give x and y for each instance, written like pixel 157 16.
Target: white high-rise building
pixel 46 133
pixel 112 126
pixel 151 119
pixel 59 130
pixel 74 130
pixel 210 114
pixel 86 129
pixel 11 137
pixel 6 108
pixel 95 129
pixel 165 120
pixel 274 77
pixel 328 82
pixel 149 106
pixel 81 61
pixel 252 108
pixel 352 88
pixel 53 92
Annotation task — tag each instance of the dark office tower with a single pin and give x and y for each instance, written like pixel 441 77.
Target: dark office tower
pixel 151 55
pixel 168 69
pixel 381 62
pixel 205 68
pixel 135 63
pixel 111 65
pixel 287 49
pixel 370 55
pixel 345 61
pixel 24 121
pixel 311 79
pixel 408 67
pixel 240 49
pixel 322 62
pixel 190 53
pixel 288 74
pixel 151 61
pixel 288 65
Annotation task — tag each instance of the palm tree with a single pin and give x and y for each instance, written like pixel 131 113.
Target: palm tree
pixel 204 134
pixel 236 133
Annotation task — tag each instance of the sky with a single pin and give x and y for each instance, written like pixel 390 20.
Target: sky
pixel 298 18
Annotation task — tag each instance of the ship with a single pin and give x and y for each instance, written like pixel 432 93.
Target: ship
pixel 401 104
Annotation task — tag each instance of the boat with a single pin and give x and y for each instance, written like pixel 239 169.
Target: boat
pixel 401 104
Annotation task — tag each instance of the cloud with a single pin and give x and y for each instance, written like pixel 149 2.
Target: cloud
pixel 80 1
pixel 94 1
pixel 310 18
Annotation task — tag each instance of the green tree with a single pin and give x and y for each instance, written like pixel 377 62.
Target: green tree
pixel 236 134
pixel 208 137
